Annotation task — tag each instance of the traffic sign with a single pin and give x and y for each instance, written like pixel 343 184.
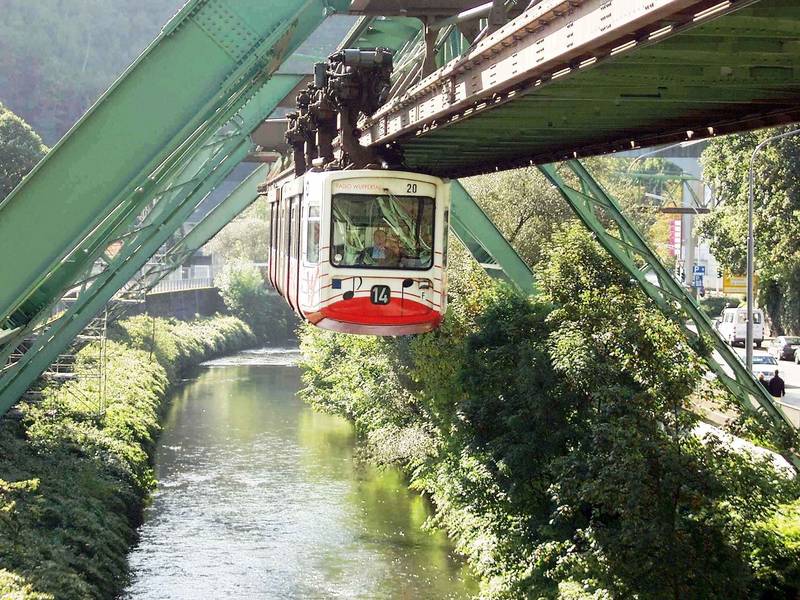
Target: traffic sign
pixel 737 284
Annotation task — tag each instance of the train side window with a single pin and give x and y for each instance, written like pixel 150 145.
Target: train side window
pixel 291 227
pixel 298 211
pixel 445 236
pixel 312 235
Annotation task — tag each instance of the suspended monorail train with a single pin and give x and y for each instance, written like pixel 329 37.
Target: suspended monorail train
pixel 361 251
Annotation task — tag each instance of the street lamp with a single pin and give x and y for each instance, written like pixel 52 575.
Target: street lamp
pixel 751 247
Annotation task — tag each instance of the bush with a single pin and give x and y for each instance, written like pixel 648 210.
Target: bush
pixel 245 294
pixel 554 439
pixel 73 479
pixel 713 306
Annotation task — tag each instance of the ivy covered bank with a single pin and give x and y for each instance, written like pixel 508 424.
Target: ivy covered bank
pixel 73 480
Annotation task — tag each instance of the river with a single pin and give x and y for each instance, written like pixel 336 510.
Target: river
pixel 260 497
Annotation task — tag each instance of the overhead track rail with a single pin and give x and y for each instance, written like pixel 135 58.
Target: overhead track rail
pixel 582 77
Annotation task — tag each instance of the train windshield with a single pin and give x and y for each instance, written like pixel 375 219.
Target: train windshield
pixel 382 232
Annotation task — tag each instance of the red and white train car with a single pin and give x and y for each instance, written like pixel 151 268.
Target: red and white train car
pixel 361 251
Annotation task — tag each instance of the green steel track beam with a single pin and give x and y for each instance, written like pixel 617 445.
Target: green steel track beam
pixel 240 198
pixel 595 208
pixel 59 333
pixel 485 242
pixel 178 181
pixel 183 192
pixel 107 190
pixel 200 71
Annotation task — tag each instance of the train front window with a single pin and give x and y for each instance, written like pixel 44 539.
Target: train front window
pixel 382 232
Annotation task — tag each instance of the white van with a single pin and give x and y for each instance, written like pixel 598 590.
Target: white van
pixel 733 328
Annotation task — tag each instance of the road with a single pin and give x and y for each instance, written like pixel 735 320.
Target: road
pixel 789 372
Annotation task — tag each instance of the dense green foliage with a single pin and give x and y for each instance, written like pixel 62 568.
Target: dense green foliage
pixel 528 210
pixel 553 438
pixel 713 307
pixel 246 238
pixel 20 149
pixel 73 478
pixel 241 244
pixel 539 207
pixel 242 287
pixel 58 56
pixel 726 163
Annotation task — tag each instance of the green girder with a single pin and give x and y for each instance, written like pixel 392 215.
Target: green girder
pixel 123 268
pixel 135 166
pixel 485 242
pixel 240 198
pixel 193 79
pixel 595 208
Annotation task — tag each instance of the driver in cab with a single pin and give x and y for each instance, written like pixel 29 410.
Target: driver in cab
pixel 384 252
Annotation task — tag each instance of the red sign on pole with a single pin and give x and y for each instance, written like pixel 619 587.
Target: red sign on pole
pixel 674 243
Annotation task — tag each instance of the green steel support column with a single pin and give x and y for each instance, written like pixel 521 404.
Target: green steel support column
pixel 177 181
pixel 629 248
pixel 486 244
pixel 203 165
pixel 239 199
pixel 206 64
pixel 130 259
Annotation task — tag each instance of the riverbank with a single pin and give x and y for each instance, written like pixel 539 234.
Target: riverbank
pixel 75 473
pixel 553 437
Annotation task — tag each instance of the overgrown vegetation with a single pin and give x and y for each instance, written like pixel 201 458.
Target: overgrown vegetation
pixel 73 477
pixel 245 293
pixel 554 439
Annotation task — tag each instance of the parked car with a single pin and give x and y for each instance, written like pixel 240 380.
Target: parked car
pixel 765 364
pixel 733 326
pixel 784 347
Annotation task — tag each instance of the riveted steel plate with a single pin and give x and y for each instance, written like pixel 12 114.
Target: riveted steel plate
pixel 226 28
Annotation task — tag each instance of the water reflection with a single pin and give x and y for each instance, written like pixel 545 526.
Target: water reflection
pixel 260 497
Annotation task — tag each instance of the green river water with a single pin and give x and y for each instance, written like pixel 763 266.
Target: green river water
pixel 261 497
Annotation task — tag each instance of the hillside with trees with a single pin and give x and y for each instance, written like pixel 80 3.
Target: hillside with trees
pixel 59 56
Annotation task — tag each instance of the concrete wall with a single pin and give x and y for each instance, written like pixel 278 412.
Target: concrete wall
pixel 185 304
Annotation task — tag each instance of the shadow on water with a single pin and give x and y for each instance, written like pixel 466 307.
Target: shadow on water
pixel 260 497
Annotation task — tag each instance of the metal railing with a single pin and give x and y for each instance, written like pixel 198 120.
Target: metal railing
pixel 181 285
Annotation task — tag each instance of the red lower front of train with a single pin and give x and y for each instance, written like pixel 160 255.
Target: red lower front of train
pixel 401 316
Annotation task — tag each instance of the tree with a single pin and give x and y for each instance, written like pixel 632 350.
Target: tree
pixel 555 439
pixel 528 209
pixel 20 149
pixel 246 238
pixel 245 294
pixel 523 205
pixel 726 163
